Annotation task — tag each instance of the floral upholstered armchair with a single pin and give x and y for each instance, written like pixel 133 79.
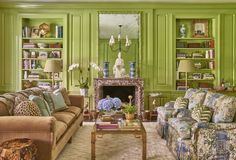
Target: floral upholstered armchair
pixel 205 129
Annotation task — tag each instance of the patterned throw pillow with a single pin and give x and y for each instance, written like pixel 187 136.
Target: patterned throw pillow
pixel 65 96
pixel 225 110
pixel 42 104
pixel 202 113
pixel 27 108
pixel 181 103
pixel 19 99
pixel 196 99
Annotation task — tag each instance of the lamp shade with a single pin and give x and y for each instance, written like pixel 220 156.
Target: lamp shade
pixel 186 66
pixel 53 65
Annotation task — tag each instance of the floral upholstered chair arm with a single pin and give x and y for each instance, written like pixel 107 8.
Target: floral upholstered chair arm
pixel 166 111
pixel 209 138
pixel 170 104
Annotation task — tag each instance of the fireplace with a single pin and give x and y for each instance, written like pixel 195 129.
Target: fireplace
pixel 121 88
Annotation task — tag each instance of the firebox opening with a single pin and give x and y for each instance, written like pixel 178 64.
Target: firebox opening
pixel 121 92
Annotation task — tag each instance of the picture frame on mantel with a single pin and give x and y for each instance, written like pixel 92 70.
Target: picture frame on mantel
pixel 200 28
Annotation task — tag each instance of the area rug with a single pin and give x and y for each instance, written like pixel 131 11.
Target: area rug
pixel 116 147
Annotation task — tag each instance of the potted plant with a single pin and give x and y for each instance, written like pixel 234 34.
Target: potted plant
pixel 129 111
pixel 83 87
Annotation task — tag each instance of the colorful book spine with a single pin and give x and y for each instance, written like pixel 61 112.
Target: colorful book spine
pixel 59 31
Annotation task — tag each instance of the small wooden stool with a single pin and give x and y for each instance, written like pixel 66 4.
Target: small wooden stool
pixel 18 149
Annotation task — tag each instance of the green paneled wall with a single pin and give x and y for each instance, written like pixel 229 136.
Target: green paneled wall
pixel 8 45
pixel 156 58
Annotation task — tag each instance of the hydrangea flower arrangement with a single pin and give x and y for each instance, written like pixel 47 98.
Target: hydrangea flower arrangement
pixel 108 104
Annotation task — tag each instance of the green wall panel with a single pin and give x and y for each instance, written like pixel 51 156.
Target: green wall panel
pixel 227 55
pixel 8 52
pixel 162 57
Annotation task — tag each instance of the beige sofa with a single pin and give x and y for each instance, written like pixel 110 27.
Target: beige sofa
pixel 49 133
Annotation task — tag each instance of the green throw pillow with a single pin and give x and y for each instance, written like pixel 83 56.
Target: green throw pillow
pixel 58 100
pixel 42 104
pixel 202 113
pixel 48 98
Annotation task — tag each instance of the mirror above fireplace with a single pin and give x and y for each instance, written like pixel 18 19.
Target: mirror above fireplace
pixel 119 32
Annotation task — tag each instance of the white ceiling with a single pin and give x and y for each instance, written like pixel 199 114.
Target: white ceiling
pixel 109 25
pixel 162 1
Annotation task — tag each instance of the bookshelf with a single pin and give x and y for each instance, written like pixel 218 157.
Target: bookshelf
pixel 41 38
pixel 195 41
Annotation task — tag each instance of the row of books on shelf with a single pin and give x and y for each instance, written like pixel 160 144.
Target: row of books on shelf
pixel 195 76
pixel 207 54
pixel 205 44
pixel 203 86
pixel 59 31
pixel 41 45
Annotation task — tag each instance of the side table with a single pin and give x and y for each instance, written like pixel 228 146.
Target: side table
pixel 20 148
pixel 155 100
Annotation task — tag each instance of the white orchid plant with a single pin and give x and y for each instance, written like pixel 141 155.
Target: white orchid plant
pixel 96 67
pixel 82 83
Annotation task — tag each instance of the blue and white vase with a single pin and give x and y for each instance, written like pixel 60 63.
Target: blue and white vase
pixel 132 70
pixel 106 70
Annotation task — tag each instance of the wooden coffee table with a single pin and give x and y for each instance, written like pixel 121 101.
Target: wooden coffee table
pixel 138 131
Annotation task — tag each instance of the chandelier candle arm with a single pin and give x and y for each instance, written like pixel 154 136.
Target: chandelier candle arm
pixel 119 47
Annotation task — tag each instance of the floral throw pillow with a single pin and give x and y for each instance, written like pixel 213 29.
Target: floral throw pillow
pixel 225 110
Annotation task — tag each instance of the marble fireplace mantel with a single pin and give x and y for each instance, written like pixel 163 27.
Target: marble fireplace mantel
pixel 138 84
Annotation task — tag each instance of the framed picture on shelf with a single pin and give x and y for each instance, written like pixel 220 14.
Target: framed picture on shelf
pixel 34 32
pixel 200 28
pixel 197 76
pixel 56 54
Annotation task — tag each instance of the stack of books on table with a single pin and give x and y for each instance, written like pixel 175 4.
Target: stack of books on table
pixel 106 125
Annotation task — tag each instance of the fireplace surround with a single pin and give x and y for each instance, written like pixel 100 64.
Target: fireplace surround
pixel 121 88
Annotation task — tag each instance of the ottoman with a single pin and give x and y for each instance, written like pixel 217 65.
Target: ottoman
pixel 15 149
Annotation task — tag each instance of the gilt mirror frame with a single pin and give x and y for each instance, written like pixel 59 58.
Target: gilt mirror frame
pixel 137 56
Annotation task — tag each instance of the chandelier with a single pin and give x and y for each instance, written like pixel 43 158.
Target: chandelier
pixel 119 48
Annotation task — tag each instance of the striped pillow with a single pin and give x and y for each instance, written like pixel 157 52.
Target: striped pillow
pixel 202 113
pixel 181 103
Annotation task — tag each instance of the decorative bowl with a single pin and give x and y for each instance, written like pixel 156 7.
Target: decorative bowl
pixel 42 45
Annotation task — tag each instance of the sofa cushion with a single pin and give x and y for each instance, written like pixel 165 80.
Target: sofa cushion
pixel 60 128
pixel 73 109
pixel 20 98
pixel 202 113
pixel 58 101
pixel 42 104
pixel 27 108
pixel 36 91
pixel 65 96
pixel 196 98
pixel 211 99
pixel 65 117
pixel 182 126
pixel 225 108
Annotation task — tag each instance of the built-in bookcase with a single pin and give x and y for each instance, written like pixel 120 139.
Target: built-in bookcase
pixel 197 44
pixel 36 47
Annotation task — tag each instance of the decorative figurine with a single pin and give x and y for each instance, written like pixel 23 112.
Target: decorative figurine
pixel 119 67
pixel 182 31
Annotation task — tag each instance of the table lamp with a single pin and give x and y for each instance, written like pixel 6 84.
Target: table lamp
pixel 186 66
pixel 53 66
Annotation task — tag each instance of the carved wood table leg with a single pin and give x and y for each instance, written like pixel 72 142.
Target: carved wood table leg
pixel 93 141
